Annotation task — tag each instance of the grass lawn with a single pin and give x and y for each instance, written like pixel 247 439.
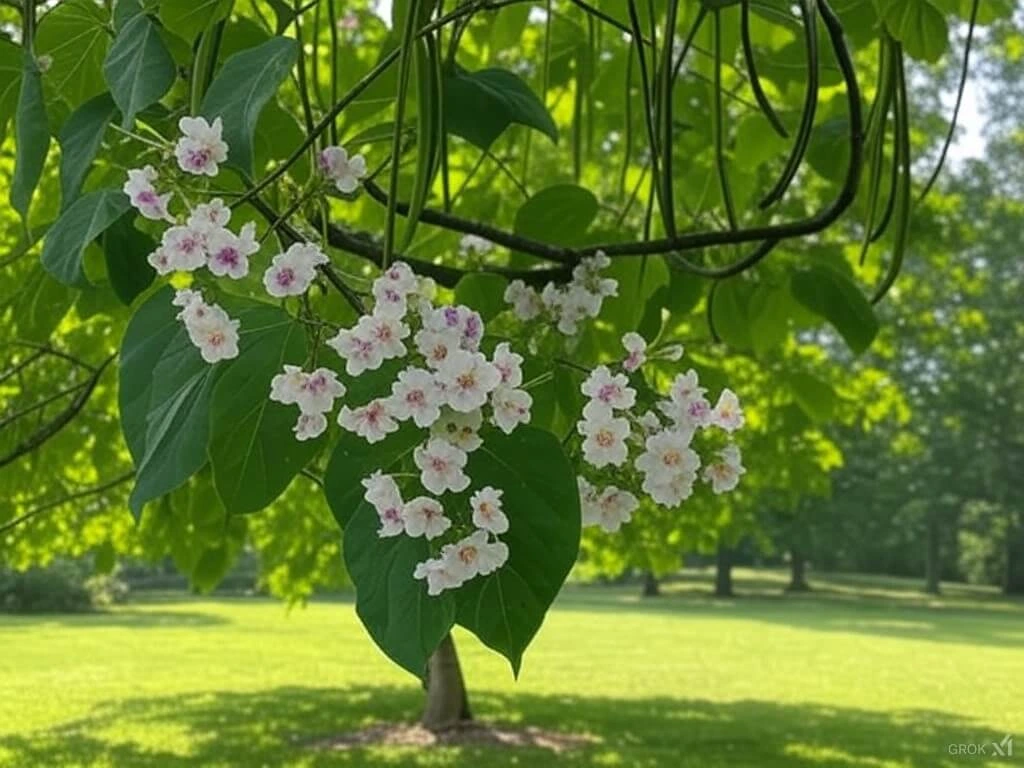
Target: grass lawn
pixel 861 674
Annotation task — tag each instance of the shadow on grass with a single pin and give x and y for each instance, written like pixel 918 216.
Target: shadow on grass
pixel 125 618
pixel 277 727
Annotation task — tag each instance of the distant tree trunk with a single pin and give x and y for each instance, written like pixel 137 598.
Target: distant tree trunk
pixel 933 564
pixel 723 572
pixel 1013 580
pixel 797 571
pixel 447 702
pixel 651 588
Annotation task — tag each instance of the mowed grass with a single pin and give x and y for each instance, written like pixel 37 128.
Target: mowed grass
pixel 862 673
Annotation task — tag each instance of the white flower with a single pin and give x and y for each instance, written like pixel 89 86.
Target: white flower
pixel 184 248
pixel 415 395
pixel 467 379
pixel 588 501
pixel 359 353
pixel 511 408
pixel 461 320
pixel 160 261
pixel 385 332
pixel 612 507
pixel 474 244
pixel 724 475
pixel 228 254
pixel 400 277
pixel 310 425
pixel 459 429
pixel 475 555
pixel 372 422
pixel 526 303
pixel 389 300
pixel 727 413
pixel 424 516
pixel 687 405
pixel 509 364
pixel 209 217
pixel 435 346
pixel 441 466
pixel 287 387
pixel 611 389
pixel 440 575
pixel 672 493
pixel 487 510
pixel 605 440
pixel 649 422
pixel 200 147
pixel 672 352
pixel 214 333
pixel 667 456
pixel 636 351
pixel 144 197
pixel 319 391
pixel 344 171
pixel 383 495
pixel 291 272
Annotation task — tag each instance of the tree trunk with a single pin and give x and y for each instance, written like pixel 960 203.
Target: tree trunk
pixel 651 588
pixel 932 562
pixel 723 572
pixel 1013 580
pixel 797 571
pixel 447 703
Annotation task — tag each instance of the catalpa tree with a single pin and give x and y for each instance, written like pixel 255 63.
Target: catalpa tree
pixel 436 268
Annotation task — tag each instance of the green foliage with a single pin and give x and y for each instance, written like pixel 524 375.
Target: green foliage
pixel 479 106
pixel 187 18
pixel 244 85
pixel 138 68
pixel 32 138
pixel 559 214
pixel 85 220
pixel 80 139
pixel 832 296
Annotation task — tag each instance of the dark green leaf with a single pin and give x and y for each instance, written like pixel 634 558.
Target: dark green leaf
pixel 80 138
pixel 31 138
pixel 253 453
pixel 10 82
pixel 138 68
pixel 74 35
pixel 837 299
pixel 405 622
pixel 814 396
pixel 541 499
pixel 483 292
pixel 126 249
pixel 125 11
pixel 730 312
pixel 479 106
pixel 187 18
pixel 769 317
pixel 86 219
pixel 560 214
pixel 246 82
pixel 919 25
pixel 41 304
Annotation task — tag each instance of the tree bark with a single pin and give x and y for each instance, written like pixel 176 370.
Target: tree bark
pixel 723 572
pixel 651 588
pixel 797 571
pixel 447 703
pixel 1013 580
pixel 933 560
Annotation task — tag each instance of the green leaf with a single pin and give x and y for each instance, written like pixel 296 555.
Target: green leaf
pixel 86 219
pixel 253 453
pixel 187 18
pixel 125 11
pixel 837 299
pixel 815 397
pixel 541 499
pixel 80 139
pixel 405 622
pixel 560 214
pixel 11 59
pixel 164 398
pixel 483 292
pixel 246 82
pixel 74 35
pixel 918 24
pixel 139 69
pixel 479 106
pixel 730 312
pixel 769 317
pixel 31 138
pixel 126 249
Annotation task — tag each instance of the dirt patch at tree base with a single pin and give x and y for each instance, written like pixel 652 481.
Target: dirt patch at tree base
pixel 470 733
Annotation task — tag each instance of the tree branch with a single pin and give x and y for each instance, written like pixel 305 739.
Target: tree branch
pixel 48 505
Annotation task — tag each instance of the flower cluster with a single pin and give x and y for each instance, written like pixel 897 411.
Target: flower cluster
pixel 665 465
pixel 566 306
pixel 209 327
pixel 448 387
pixel 202 238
